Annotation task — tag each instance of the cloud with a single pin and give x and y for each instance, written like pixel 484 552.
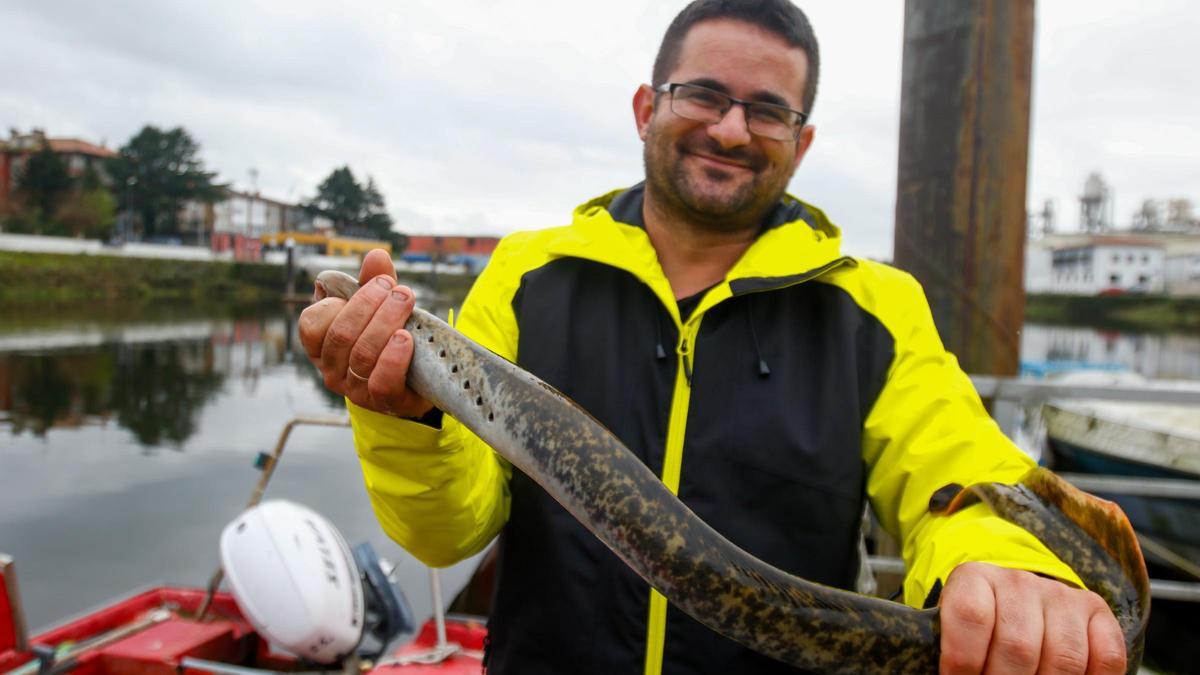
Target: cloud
pixel 1114 93
pixel 495 116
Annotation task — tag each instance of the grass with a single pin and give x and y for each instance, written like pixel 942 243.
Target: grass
pixel 1148 313
pixel 41 278
pixel 29 282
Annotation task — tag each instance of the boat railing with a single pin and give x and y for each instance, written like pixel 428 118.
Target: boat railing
pixel 1012 396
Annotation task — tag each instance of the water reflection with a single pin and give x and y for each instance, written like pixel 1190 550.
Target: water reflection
pixel 41 391
pixel 152 380
pixel 157 391
pixel 1168 356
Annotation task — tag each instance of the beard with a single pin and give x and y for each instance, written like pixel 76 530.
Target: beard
pixel 708 197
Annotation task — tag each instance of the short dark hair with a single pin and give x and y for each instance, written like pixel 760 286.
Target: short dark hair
pixel 780 17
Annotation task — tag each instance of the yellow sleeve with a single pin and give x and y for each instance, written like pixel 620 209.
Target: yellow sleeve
pixel 442 494
pixel 928 428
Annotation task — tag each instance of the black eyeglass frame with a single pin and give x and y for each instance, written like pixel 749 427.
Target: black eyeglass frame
pixel 670 87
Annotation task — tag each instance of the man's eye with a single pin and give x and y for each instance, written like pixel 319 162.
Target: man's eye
pixel 771 115
pixel 706 99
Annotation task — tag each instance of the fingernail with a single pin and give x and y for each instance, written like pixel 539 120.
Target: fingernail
pixel 399 294
pixel 384 282
pixel 398 338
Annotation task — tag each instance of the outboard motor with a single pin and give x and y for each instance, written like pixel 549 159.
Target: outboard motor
pixel 301 587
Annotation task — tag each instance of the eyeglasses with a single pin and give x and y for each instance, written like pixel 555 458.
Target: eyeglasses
pixel 693 102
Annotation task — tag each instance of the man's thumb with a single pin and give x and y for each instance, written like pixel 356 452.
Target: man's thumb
pixel 376 262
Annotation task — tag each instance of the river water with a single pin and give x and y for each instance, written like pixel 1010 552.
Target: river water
pixel 126 443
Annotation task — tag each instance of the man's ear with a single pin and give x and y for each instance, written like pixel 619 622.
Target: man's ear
pixel 643 108
pixel 808 134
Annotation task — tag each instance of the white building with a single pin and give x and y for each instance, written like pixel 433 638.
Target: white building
pixel 1039 273
pixel 1109 264
pixel 1183 270
pixel 249 215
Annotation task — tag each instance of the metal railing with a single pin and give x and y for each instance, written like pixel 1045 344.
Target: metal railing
pixel 1010 395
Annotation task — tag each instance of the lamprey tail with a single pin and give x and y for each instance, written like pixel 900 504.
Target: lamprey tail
pixel 1091 535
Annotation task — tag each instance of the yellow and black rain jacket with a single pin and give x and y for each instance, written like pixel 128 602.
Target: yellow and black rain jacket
pixel 801 383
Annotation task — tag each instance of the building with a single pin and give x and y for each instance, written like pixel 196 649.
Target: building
pixel 325 242
pixel 249 224
pixel 243 222
pixel 80 157
pixel 472 251
pixel 1090 264
pixel 1182 271
pixel 1111 265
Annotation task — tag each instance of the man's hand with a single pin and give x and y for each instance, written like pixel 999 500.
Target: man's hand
pixel 360 346
pixel 1010 621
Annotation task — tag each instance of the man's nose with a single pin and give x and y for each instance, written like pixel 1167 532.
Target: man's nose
pixel 732 131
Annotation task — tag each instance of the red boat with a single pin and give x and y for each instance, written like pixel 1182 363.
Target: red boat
pixel 156 632
pixel 184 631
pixel 171 630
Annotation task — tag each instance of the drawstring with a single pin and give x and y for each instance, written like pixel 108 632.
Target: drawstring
pixel 660 352
pixel 763 369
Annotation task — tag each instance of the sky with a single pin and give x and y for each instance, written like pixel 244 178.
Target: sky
pixel 489 117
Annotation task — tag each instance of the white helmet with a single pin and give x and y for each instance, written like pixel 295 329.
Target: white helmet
pixel 294 578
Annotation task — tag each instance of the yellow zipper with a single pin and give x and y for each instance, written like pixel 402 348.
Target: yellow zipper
pixel 656 623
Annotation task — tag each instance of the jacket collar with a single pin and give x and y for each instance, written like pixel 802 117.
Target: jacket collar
pixel 798 242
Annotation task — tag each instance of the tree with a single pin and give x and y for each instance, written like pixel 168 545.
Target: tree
pixel 155 172
pixel 87 213
pixel 41 187
pixel 354 208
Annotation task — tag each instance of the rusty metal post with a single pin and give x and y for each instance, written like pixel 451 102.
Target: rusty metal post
pixel 964 149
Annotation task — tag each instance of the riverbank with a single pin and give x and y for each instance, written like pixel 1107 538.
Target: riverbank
pixel 60 279
pixel 32 282
pixel 1150 313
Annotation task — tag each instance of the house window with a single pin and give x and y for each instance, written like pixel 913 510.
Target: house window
pixel 1145 258
pixel 1114 279
pixel 1116 258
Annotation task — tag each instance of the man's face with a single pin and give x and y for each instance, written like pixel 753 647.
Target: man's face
pixel 719 175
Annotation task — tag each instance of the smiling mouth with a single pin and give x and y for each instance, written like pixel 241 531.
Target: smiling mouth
pixel 722 162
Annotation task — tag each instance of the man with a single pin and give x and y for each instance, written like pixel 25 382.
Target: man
pixel 709 320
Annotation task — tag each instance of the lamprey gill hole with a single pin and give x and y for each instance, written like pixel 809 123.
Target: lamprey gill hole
pixel 491 416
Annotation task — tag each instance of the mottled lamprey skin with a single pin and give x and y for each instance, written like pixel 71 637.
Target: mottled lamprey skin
pixel 599 481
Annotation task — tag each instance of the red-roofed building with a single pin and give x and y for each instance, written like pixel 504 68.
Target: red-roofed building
pixel 79 156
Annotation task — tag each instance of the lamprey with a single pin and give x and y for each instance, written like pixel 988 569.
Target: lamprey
pixel 601 483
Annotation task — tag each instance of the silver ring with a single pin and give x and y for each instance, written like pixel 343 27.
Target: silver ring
pixel 355 375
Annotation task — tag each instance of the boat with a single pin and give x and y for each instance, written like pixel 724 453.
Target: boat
pixel 1131 440
pixel 1150 440
pixel 279 600
pixel 157 631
